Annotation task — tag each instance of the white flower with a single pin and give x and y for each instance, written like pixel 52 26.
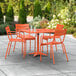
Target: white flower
pixel 68 23
pixel 48 23
pixel 65 21
pixel 37 22
pixel 52 20
pixel 59 14
pixel 57 20
pixel 52 24
pixel 69 19
pixel 49 26
pixel 54 16
pixel 62 16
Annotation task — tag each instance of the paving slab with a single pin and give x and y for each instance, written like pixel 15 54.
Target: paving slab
pixel 15 65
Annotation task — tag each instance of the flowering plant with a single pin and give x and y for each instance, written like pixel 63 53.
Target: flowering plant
pixel 53 22
pixel 66 21
pixel 43 23
pixel 35 22
pixel 64 13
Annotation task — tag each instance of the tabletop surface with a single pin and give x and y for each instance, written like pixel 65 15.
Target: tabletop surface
pixel 39 31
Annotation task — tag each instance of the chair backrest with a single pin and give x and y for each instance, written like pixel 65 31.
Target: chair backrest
pixel 59 26
pixel 8 32
pixel 21 27
pixel 60 32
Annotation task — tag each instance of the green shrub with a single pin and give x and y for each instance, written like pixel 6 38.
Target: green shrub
pixel 2 28
pixel 67 15
pixel 53 22
pixel 22 13
pixel 37 9
pixel 70 30
pixel 74 34
pixel 74 30
pixel 64 13
pixel 47 9
pixel 35 22
pixel 74 20
pixel 43 23
pixel 1 15
pixel 72 9
pixel 66 27
pixel 39 23
pixel 10 15
pixel 38 18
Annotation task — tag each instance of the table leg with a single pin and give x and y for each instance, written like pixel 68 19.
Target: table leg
pixel 38 52
pixel 37 42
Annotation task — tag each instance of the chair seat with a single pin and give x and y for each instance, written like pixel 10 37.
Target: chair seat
pixel 49 37
pixel 46 37
pixel 51 43
pixel 27 37
pixel 15 40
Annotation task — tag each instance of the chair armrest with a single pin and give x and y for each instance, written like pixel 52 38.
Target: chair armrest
pixel 12 32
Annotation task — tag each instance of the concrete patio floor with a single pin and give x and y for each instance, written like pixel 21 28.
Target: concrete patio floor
pixel 15 65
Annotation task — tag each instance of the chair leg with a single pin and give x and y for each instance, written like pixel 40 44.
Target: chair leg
pixel 42 46
pixel 7 50
pixel 56 46
pixel 22 47
pixel 65 52
pixel 53 54
pixel 24 53
pixel 14 46
pixel 47 47
pixel 40 49
pixel 63 48
pixel 34 45
pixel 30 45
pixel 40 58
pixel 50 53
pixel 40 54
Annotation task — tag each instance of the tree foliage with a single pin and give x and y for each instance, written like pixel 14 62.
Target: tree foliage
pixel 47 11
pixel 10 14
pixel 37 9
pixel 55 6
pixel 22 13
pixel 1 15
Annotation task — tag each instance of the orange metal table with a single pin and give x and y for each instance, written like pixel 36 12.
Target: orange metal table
pixel 37 31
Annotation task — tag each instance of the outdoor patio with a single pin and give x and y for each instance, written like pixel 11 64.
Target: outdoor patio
pixel 15 65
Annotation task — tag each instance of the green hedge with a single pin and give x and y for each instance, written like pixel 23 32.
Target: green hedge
pixel 2 28
pixel 71 30
pixel 74 34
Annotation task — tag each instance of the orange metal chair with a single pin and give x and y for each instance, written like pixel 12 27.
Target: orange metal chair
pixel 20 27
pixel 11 39
pixel 59 26
pixel 61 34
